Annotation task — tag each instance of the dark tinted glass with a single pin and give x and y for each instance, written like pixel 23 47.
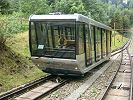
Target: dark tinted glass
pixel 53 39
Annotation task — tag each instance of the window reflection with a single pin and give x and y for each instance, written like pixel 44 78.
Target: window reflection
pixel 53 39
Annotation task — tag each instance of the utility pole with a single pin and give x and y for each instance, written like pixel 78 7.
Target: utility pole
pixel 20 10
pixel 114 33
pixel 89 15
pixel 122 34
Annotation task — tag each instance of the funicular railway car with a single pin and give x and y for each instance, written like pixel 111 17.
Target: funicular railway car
pixel 68 44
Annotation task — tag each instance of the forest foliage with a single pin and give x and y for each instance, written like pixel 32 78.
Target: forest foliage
pixel 105 11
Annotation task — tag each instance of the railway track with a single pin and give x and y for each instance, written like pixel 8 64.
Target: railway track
pixel 85 91
pixel 114 52
pixel 44 89
pixel 47 83
pixel 39 88
pixel 79 92
pixel 119 86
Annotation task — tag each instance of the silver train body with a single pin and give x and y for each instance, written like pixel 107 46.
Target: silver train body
pixel 86 43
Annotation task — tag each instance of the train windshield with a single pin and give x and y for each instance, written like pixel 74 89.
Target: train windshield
pixel 53 39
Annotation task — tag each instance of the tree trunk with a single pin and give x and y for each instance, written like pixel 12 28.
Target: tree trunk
pixel 2 42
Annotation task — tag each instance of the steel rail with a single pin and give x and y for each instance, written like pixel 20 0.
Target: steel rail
pixel 23 88
pixel 131 83
pixel 116 51
pixel 51 90
pixel 104 93
pixel 111 80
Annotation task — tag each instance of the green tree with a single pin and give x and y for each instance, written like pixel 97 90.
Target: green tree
pixel 35 7
pixel 96 9
pixel 15 5
pixel 117 20
pixel 131 4
pixel 9 25
pixel 78 8
pixel 68 6
pixel 63 6
pixel 126 22
pixel 4 6
pixel 131 18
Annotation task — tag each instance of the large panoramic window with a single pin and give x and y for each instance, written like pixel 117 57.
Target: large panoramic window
pixel 80 38
pixel 53 39
pixel 103 42
pixel 108 42
pixel 92 37
pixel 98 43
pixel 88 45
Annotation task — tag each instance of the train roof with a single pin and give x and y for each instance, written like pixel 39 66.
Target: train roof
pixel 69 17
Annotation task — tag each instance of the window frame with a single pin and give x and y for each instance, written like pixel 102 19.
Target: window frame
pixel 78 25
pixel 98 46
pixel 90 43
pixel 30 36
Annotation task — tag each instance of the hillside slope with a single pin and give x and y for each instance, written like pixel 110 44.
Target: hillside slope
pixel 15 65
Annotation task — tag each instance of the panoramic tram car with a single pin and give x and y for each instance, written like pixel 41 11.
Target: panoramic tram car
pixel 68 44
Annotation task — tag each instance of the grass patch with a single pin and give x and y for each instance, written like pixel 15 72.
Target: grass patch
pixel 131 48
pixel 16 68
pixel 118 40
pixel 9 81
pixel 19 43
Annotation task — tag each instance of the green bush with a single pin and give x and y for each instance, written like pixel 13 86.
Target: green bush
pixel 10 25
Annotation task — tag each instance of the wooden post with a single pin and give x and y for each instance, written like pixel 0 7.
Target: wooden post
pixel 114 33
pixel 122 34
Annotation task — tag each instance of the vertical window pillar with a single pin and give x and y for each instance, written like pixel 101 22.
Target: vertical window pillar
pixel 101 43
pixel 94 29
